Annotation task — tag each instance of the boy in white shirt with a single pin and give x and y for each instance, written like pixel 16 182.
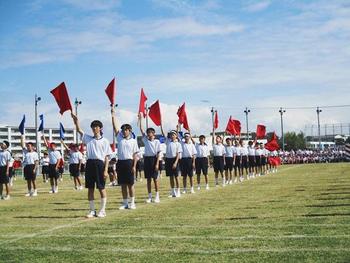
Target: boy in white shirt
pixel 127 159
pixel 219 160
pixel 30 164
pixel 96 173
pixel 187 161
pixel 152 159
pixel 75 159
pixel 202 161
pixel 45 167
pixel 229 160
pixel 5 158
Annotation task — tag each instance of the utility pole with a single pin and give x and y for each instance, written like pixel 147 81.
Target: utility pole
pixel 76 103
pixel 281 111
pixel 318 111
pixel 246 111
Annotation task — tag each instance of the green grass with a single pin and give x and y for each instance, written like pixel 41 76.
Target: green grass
pixel 300 214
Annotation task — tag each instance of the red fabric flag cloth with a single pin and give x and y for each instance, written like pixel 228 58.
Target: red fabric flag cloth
pixel 273 145
pixel 110 91
pixel 154 113
pixel 237 127
pixel 260 131
pixel 113 147
pixel 142 108
pixel 230 128
pixel 82 148
pixel 216 121
pixel 183 116
pixel 61 96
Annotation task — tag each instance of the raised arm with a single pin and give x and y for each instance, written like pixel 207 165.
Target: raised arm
pixel 23 144
pixel 77 124
pixel 140 124
pixel 45 141
pixel 65 145
pixel 161 130
pixel 114 120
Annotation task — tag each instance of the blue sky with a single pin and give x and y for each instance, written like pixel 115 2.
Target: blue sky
pixel 233 54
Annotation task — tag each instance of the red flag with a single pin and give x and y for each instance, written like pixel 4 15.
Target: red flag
pixel 183 116
pixel 61 96
pixel 260 131
pixel 82 148
pixel 142 108
pixel 216 120
pixel 237 126
pixel 113 147
pixel 230 127
pixel 154 113
pixel 272 144
pixel 110 91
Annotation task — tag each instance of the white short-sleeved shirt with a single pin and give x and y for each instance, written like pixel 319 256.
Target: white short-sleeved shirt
pixel 45 161
pixel 75 157
pixel 127 147
pixel 219 149
pixel 172 149
pixel 259 152
pixel 244 151
pixel 152 148
pixel 188 150
pixel 234 149
pixel 30 157
pixel 229 151
pixel 202 150
pixel 266 152
pixel 96 149
pixel 54 156
pixel 251 151
pixel 11 162
pixel 5 157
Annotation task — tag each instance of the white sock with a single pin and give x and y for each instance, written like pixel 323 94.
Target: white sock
pixel 132 200
pixel 216 180
pixel 150 195
pixel 92 205
pixel 157 194
pixel 173 191
pixel 125 202
pixel 103 203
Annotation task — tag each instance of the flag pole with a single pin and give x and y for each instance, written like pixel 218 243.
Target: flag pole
pixel 146 116
pixel 212 122
pixel 113 132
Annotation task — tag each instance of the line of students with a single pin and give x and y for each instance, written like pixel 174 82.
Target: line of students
pixel 182 156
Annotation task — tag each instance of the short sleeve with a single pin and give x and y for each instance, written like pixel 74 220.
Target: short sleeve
pixel 85 138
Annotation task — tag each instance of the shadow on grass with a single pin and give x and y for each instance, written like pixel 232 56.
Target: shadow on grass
pixel 242 218
pixel 325 215
pixel 336 193
pixel 59 203
pixel 335 205
pixel 333 198
pixel 46 217
pixel 70 209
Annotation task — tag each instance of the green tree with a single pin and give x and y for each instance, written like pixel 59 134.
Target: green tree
pixel 294 141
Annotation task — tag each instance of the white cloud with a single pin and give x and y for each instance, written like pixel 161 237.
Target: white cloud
pixel 257 7
pixel 93 5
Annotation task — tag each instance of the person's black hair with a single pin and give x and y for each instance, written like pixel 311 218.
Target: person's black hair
pixel 201 136
pixel 96 123
pixel 6 143
pixel 113 160
pixel 32 144
pixel 228 139
pixel 126 127
pixel 250 143
pixel 150 130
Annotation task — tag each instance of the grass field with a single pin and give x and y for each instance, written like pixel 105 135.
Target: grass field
pixel 300 214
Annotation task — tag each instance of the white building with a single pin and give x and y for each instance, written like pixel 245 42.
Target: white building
pixel 12 134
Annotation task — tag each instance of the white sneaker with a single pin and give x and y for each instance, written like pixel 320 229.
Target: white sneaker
pixel 51 191
pixel 101 214
pixel 149 200
pixel 184 191
pixel 241 179
pixel 198 187
pixel 35 193
pixel 157 200
pixel 56 190
pixel 61 179
pixel 123 207
pixel 235 181
pixel 207 187
pixel 28 194
pixel 178 194
pixel 192 191
pixel 230 182
pixel 91 214
pixel 6 197
pixel 132 206
pixel 81 187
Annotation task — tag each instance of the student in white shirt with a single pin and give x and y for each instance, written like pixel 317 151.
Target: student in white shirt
pixel 187 161
pixel 172 157
pixel 219 160
pixel 238 161
pixel 251 158
pixel 75 159
pixel 45 167
pixel 244 160
pixel 5 158
pixel 98 152
pixel 229 160
pixel 151 157
pixel 30 164
pixel 202 161
pixel 258 155
pixel 54 164
pixel 127 159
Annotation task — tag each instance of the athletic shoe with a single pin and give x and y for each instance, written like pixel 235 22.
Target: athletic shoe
pixel 123 207
pixel 28 194
pixel 91 214
pixel 192 191
pixel 241 178
pixel 101 214
pixel 235 181
pixel 248 178
pixel 184 191
pixel 230 182
pixel 157 200
pixel 132 206
pixel 81 187
pixel 198 187
pixel 51 191
pixel 35 193
pixel 207 187
pixel 56 189
pixel 149 200
pixel 178 194
pixel 6 197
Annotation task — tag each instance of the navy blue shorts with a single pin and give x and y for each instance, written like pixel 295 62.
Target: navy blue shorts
pixel 28 172
pixel 258 160
pixel 228 163
pixel 244 163
pixel 186 166
pixel 218 164
pixel 149 167
pixel 238 162
pixel 263 160
pixel 169 171
pixel 251 162
pixel 74 169
pixel 4 179
pixel 53 173
pixel 202 165
pixel 94 175
pixel 45 169
pixel 124 171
